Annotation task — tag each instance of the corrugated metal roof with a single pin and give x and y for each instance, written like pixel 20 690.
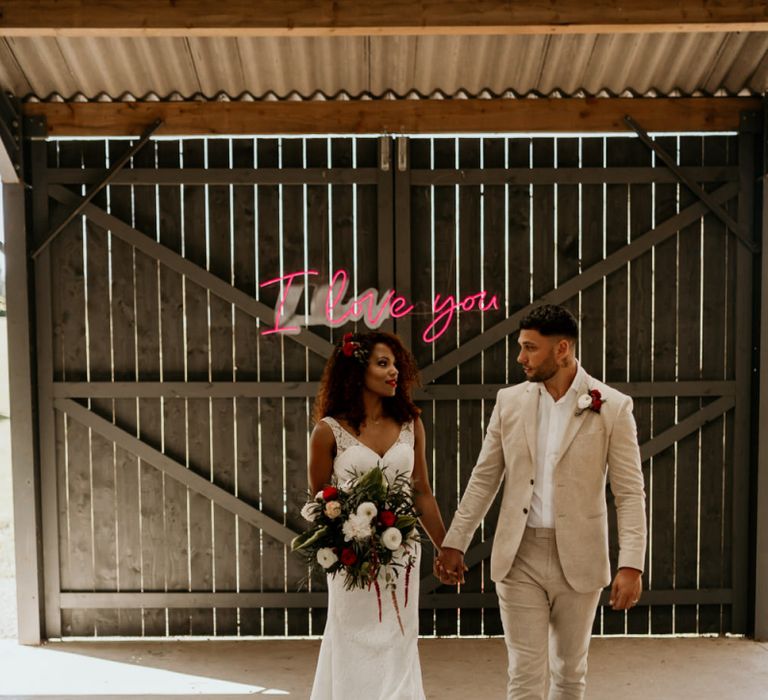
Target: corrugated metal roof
pixel 343 67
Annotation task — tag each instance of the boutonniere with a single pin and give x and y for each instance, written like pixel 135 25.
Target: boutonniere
pixel 592 400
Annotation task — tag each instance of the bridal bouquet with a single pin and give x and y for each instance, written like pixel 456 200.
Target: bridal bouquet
pixel 363 529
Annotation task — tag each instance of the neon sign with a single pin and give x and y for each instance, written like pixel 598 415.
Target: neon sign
pixel 326 305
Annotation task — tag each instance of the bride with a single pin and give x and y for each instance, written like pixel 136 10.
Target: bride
pixel 365 416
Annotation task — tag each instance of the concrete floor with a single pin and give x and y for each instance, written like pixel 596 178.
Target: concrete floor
pixel 453 669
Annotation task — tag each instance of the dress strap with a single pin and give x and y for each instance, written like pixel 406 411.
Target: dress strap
pixel 407 435
pixel 343 438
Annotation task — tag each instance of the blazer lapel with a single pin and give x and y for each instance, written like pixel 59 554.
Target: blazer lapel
pixel 575 423
pixel 531 419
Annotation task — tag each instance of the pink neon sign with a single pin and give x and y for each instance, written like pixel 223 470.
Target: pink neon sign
pixel 326 305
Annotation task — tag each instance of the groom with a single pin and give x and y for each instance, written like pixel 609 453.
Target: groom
pixel 553 441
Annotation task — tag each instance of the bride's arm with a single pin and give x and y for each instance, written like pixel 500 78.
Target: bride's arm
pixel 321 449
pixel 424 500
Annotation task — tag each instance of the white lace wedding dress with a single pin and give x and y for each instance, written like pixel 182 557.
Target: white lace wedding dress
pixel 360 657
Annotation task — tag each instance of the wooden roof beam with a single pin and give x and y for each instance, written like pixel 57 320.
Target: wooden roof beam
pixel 456 116
pixel 373 17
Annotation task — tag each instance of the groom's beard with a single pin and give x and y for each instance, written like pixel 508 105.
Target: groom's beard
pixel 545 372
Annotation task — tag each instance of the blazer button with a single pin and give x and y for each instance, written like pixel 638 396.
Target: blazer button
pixel 531 482
pixel 525 510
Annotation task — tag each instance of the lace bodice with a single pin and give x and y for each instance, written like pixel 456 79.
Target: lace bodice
pixel 353 457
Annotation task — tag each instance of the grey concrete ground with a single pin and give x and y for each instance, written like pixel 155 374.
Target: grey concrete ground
pixel 454 669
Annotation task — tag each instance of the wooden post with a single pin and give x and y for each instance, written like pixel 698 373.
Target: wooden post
pixel 761 565
pixel 25 467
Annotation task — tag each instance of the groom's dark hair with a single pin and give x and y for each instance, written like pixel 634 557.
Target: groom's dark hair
pixel 551 319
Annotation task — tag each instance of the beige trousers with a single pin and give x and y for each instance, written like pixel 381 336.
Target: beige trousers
pixel 547 624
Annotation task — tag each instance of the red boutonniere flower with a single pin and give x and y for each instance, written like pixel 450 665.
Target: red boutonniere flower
pixel 592 400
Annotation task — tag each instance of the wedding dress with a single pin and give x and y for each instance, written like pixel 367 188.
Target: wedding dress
pixel 360 657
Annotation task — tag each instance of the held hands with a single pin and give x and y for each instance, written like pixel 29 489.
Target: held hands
pixel 626 589
pixel 449 566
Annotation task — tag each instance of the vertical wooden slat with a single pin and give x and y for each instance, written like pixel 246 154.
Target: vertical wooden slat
pixel 196 312
pixel 567 220
pixel 152 482
pixel 222 410
pixel 688 346
pixel 383 149
pixel 318 248
pixel 470 372
pixel 641 330
pixel 662 493
pixel 416 249
pixel 295 420
pixel 618 154
pixel 732 269
pixel 444 262
pixel 494 263
pixel 70 364
pixel 246 369
pixel 591 321
pixel 127 481
pixel 405 197
pixel 591 326
pixel 100 369
pixel 714 333
pixel 271 370
pixel 174 409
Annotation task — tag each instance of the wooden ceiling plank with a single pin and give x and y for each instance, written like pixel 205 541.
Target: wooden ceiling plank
pixel 570 115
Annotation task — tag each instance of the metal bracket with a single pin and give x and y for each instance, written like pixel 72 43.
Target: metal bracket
pixel 384 153
pixel 116 167
pixel 11 131
pixel 402 153
pixel 704 196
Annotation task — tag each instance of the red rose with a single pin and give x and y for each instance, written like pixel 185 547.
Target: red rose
pixel 330 492
pixel 348 556
pixel 347 338
pixel 387 518
pixel 348 349
pixel 595 393
pixel 596 403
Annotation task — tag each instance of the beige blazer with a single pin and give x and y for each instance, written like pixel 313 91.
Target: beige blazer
pixel 595 447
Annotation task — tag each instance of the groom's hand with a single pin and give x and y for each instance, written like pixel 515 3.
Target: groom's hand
pixel 449 566
pixel 626 589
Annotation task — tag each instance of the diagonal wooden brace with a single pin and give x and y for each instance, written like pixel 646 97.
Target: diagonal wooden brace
pixel 116 167
pixel 704 196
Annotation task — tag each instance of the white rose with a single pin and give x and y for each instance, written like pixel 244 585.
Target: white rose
pixel 310 511
pixel 357 527
pixel 326 557
pixel 319 496
pixel 391 538
pixel 367 510
pixel 584 402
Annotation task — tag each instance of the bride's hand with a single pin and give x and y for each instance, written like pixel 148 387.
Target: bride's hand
pixel 449 566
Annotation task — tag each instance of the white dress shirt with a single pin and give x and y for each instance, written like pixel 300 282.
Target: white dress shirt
pixel 552 419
